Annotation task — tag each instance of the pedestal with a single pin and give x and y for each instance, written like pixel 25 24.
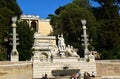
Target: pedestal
pixel 92 57
pixel 14 58
pixel 86 52
pixel 14 55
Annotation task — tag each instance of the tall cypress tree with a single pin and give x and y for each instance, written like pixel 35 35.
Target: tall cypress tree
pixel 26 41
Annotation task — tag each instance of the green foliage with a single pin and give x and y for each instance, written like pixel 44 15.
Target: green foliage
pixel 58 10
pixel 26 40
pixel 8 9
pixel 68 22
pixel 107 2
pixel 3 55
pixel 109 9
pixel 82 3
pixel 108 36
pixel 11 5
pixel 105 33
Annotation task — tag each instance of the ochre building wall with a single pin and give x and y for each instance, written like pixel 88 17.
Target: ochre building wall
pixel 45 27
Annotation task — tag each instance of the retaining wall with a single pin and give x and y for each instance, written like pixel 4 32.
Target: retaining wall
pixel 16 70
pixel 108 67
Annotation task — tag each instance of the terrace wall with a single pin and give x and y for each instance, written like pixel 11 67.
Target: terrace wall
pixel 16 70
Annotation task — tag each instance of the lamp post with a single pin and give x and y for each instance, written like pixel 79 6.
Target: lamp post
pixel 14 52
pixel 86 51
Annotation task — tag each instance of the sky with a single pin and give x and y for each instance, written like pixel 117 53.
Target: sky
pixel 42 8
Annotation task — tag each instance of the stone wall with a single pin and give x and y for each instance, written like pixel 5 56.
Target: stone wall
pixel 16 70
pixel 108 67
pixel 40 68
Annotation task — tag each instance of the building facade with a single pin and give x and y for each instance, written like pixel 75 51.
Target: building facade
pixel 43 42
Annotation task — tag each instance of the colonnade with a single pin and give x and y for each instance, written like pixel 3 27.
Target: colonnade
pixel 33 21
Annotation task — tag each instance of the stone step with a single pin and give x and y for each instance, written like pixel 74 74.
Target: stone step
pixel 47 67
pixel 75 64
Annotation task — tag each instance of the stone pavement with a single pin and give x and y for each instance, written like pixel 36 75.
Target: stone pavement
pixel 97 77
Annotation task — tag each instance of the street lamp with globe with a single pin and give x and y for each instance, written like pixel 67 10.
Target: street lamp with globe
pixel 86 51
pixel 14 52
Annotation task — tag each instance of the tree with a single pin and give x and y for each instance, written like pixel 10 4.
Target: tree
pixel 3 55
pixel 8 9
pixel 82 3
pixel 108 8
pixel 26 36
pixel 108 41
pixel 68 21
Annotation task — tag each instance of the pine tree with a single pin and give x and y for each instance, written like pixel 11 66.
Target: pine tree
pixel 108 41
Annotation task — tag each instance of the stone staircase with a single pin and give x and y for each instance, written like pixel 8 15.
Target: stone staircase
pixel 40 68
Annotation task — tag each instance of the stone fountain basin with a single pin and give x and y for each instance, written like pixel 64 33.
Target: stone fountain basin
pixel 64 72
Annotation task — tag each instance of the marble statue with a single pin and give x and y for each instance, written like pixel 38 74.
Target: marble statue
pixel 71 51
pixel 61 45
